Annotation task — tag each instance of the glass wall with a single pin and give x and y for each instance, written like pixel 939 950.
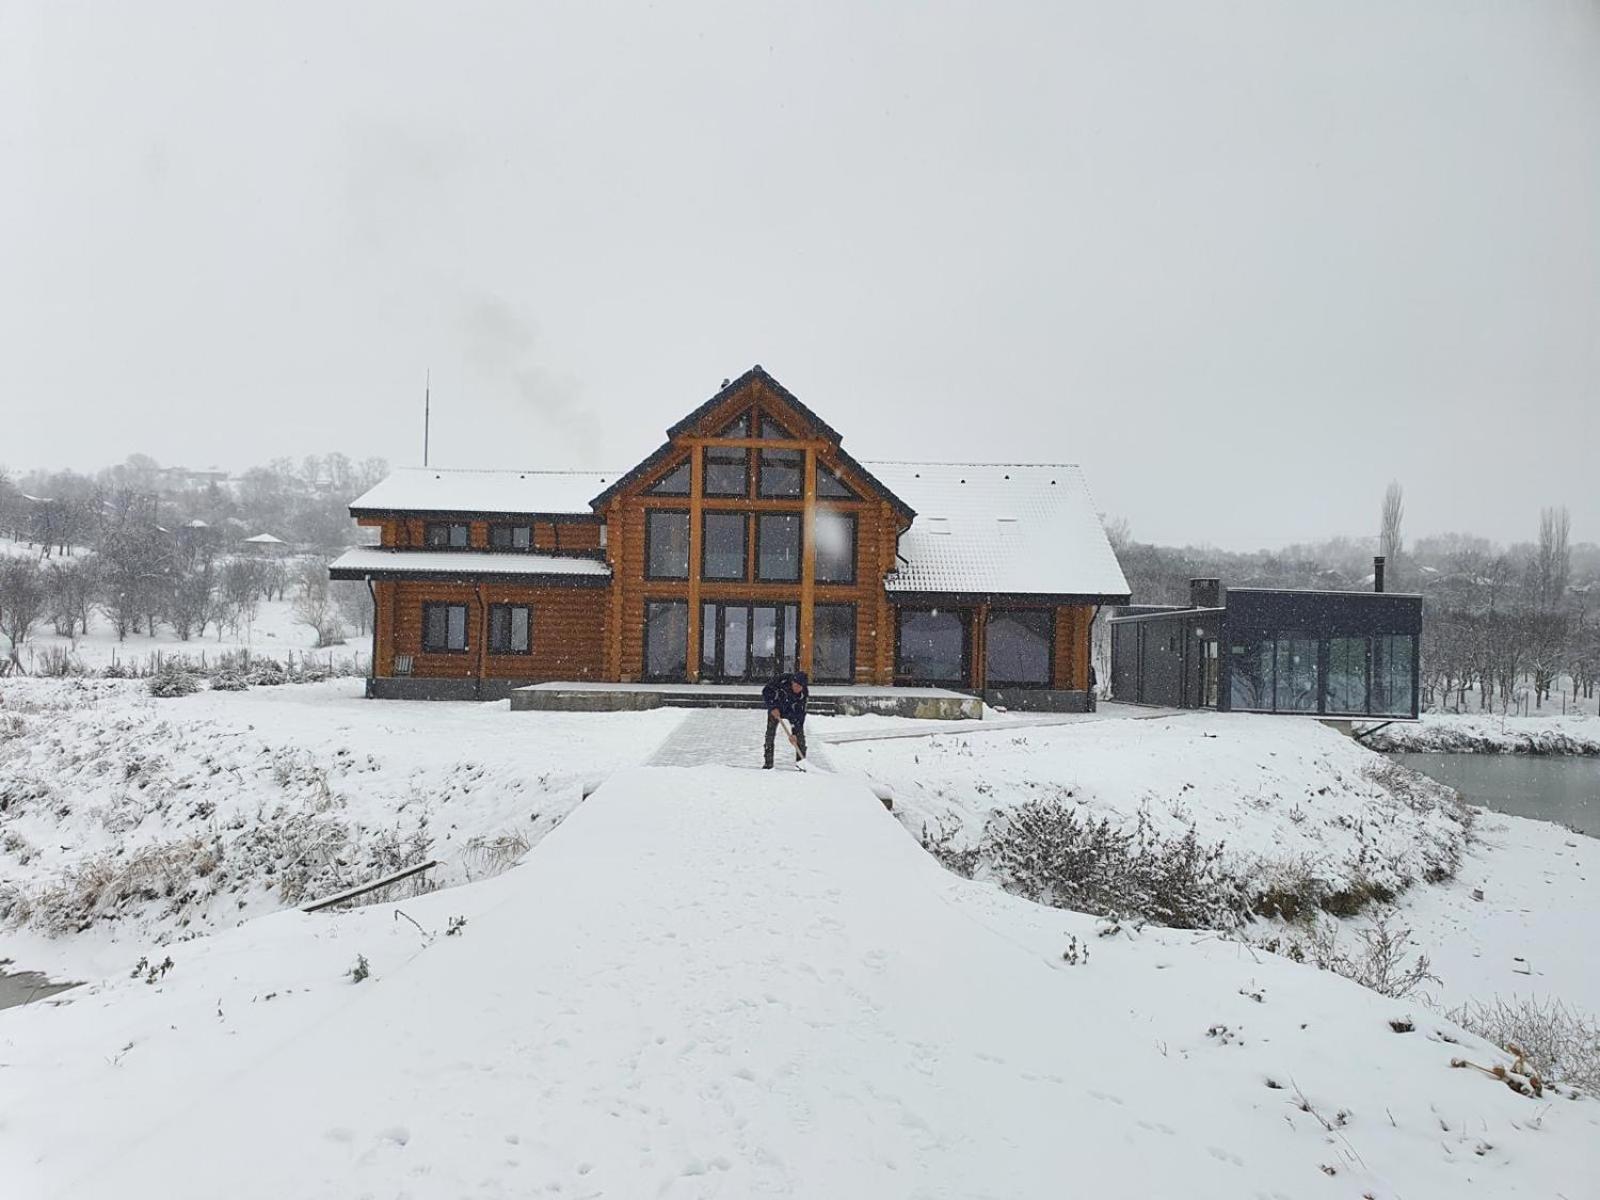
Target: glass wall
pixel 1338 676
pixel 1345 689
pixel 1393 661
pixel 778 547
pixel 836 547
pixel 1017 647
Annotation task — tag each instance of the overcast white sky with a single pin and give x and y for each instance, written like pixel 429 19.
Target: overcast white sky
pixel 1245 261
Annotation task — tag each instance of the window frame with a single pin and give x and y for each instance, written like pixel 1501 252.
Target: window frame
pixel 800 545
pixel 706 516
pixel 466 628
pixel 512 527
pixel 448 544
pixel 964 615
pixel 798 466
pixel 650 538
pixel 658 488
pixel 846 492
pixel 993 681
pixel 855 546
pixel 706 471
pixel 509 653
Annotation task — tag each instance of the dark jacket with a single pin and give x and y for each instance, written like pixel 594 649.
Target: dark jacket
pixel 778 695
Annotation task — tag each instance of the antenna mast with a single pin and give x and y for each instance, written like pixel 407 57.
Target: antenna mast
pixel 427 408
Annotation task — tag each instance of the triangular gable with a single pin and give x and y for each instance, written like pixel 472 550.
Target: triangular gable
pixel 758 392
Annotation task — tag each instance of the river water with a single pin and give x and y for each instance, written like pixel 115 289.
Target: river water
pixel 1561 788
pixel 27 987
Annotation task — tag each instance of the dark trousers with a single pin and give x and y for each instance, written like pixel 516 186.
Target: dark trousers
pixel 772 734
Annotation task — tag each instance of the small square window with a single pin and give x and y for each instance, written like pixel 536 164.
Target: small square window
pixel 444 628
pixel 446 535
pixel 511 537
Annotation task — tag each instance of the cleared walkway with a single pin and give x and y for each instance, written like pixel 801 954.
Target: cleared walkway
pixel 727 737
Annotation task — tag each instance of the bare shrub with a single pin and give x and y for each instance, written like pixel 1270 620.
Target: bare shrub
pixel 1048 852
pixel 1561 1043
pixel 488 855
pixel 1380 959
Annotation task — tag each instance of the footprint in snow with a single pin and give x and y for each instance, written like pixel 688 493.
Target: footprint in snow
pixel 398 1134
pixel 1221 1155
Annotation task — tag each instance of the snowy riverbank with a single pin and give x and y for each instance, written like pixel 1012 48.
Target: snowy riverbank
pixel 1486 733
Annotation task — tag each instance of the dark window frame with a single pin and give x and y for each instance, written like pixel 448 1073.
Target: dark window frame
pixel 449 542
pixel 466 627
pixel 964 615
pixel 992 681
pixel 765 419
pixel 855 617
pixel 706 472
pixel 846 492
pixel 512 527
pixel 655 602
pixel 658 488
pixel 799 468
pixel 509 653
pixel 649 542
pixel 855 546
pixel 706 516
pixel 800 545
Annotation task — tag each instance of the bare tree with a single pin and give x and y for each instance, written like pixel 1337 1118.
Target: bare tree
pixel 22 601
pixel 314 605
pixel 1390 542
pixel 1552 563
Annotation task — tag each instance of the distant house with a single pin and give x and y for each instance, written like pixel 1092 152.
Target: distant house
pixel 749 543
pixel 265 543
pixel 1312 653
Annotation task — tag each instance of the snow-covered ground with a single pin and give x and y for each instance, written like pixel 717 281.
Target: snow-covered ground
pixel 1488 733
pixel 712 982
pixel 1283 797
pixel 131 817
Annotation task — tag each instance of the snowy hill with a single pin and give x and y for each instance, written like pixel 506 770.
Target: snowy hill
pixel 714 982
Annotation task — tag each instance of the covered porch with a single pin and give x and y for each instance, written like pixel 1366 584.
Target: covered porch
pixel 928 703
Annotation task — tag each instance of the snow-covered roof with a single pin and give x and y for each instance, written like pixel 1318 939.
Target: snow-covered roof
pixel 1001 528
pixel 358 563
pixel 264 539
pixel 197 523
pixel 432 489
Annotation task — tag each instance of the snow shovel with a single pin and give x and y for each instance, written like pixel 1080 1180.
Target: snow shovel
pixel 799 759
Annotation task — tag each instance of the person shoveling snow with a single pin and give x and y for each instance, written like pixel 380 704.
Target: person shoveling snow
pixel 785 699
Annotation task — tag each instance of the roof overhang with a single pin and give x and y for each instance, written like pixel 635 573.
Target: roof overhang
pixel 1022 599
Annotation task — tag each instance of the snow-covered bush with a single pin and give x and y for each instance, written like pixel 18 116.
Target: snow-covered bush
pixel 170 684
pixel 229 681
pixel 1050 852
pixel 1562 1044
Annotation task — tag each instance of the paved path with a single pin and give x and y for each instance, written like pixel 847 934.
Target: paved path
pixel 729 736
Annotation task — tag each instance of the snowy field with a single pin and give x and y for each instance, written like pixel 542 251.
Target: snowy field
pixel 713 982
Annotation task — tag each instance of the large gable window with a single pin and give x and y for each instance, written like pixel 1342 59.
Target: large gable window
pixel 510 629
pixel 782 473
pixel 444 628
pixel 836 547
pixel 722 545
pixel 831 487
pixel 778 547
pixel 666 542
pixel 1017 644
pixel 446 535
pixel 674 483
pixel 727 471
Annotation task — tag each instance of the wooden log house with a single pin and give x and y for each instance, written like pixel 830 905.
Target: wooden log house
pixel 750 542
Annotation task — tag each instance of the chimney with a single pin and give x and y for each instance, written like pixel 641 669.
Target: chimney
pixel 1205 593
pixel 1377 573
